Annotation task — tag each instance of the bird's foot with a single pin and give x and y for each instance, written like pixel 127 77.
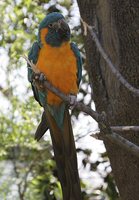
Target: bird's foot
pixel 39 79
pixel 73 101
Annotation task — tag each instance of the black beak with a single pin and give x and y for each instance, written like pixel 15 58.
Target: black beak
pixel 63 29
pixel 64 26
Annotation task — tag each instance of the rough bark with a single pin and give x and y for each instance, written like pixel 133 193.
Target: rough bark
pixel 116 23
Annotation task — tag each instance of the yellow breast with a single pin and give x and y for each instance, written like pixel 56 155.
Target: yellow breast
pixel 60 67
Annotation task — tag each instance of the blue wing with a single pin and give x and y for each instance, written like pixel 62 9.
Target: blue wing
pixel 33 56
pixel 79 61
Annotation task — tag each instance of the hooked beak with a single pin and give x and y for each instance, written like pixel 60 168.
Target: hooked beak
pixel 62 26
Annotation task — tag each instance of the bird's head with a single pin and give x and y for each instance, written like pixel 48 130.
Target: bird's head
pixel 54 30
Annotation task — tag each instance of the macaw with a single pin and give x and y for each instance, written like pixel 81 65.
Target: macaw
pixel 59 61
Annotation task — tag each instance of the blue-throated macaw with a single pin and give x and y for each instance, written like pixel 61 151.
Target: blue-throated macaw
pixel 60 62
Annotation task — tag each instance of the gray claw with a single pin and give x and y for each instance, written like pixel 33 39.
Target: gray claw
pixel 40 77
pixel 73 101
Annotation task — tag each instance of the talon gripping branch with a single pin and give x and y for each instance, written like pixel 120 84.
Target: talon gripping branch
pixel 60 62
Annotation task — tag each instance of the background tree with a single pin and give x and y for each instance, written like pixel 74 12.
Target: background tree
pixel 116 24
pixel 27 168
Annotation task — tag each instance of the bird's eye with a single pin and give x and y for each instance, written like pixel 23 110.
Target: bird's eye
pixel 50 25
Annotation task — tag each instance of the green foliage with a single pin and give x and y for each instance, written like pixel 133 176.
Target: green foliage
pixel 28 167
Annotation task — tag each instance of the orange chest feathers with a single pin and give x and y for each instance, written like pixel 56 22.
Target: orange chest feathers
pixel 60 67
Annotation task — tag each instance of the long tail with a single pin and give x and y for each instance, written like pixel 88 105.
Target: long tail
pixel 42 128
pixel 65 156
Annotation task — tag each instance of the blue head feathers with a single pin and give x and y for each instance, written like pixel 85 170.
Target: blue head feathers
pixel 58 29
pixel 50 18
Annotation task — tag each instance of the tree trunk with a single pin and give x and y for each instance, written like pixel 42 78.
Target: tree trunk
pixel 116 23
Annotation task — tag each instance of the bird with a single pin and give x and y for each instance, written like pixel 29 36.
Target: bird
pixel 58 61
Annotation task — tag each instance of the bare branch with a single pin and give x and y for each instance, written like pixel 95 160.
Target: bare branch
pixel 31 64
pixel 23 183
pixel 120 141
pixel 125 128
pixel 124 143
pixel 26 177
pixel 100 118
pixel 66 98
pixel 108 60
pixel 19 185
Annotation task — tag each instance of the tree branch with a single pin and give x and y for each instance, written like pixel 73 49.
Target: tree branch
pixel 66 98
pixel 125 128
pixel 114 70
pixel 120 141
pixel 22 185
pixel 124 143
pixel 105 129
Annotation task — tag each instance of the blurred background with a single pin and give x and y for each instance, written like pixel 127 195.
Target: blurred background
pixel 27 167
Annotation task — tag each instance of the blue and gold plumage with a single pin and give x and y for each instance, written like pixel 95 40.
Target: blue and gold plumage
pixel 60 61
